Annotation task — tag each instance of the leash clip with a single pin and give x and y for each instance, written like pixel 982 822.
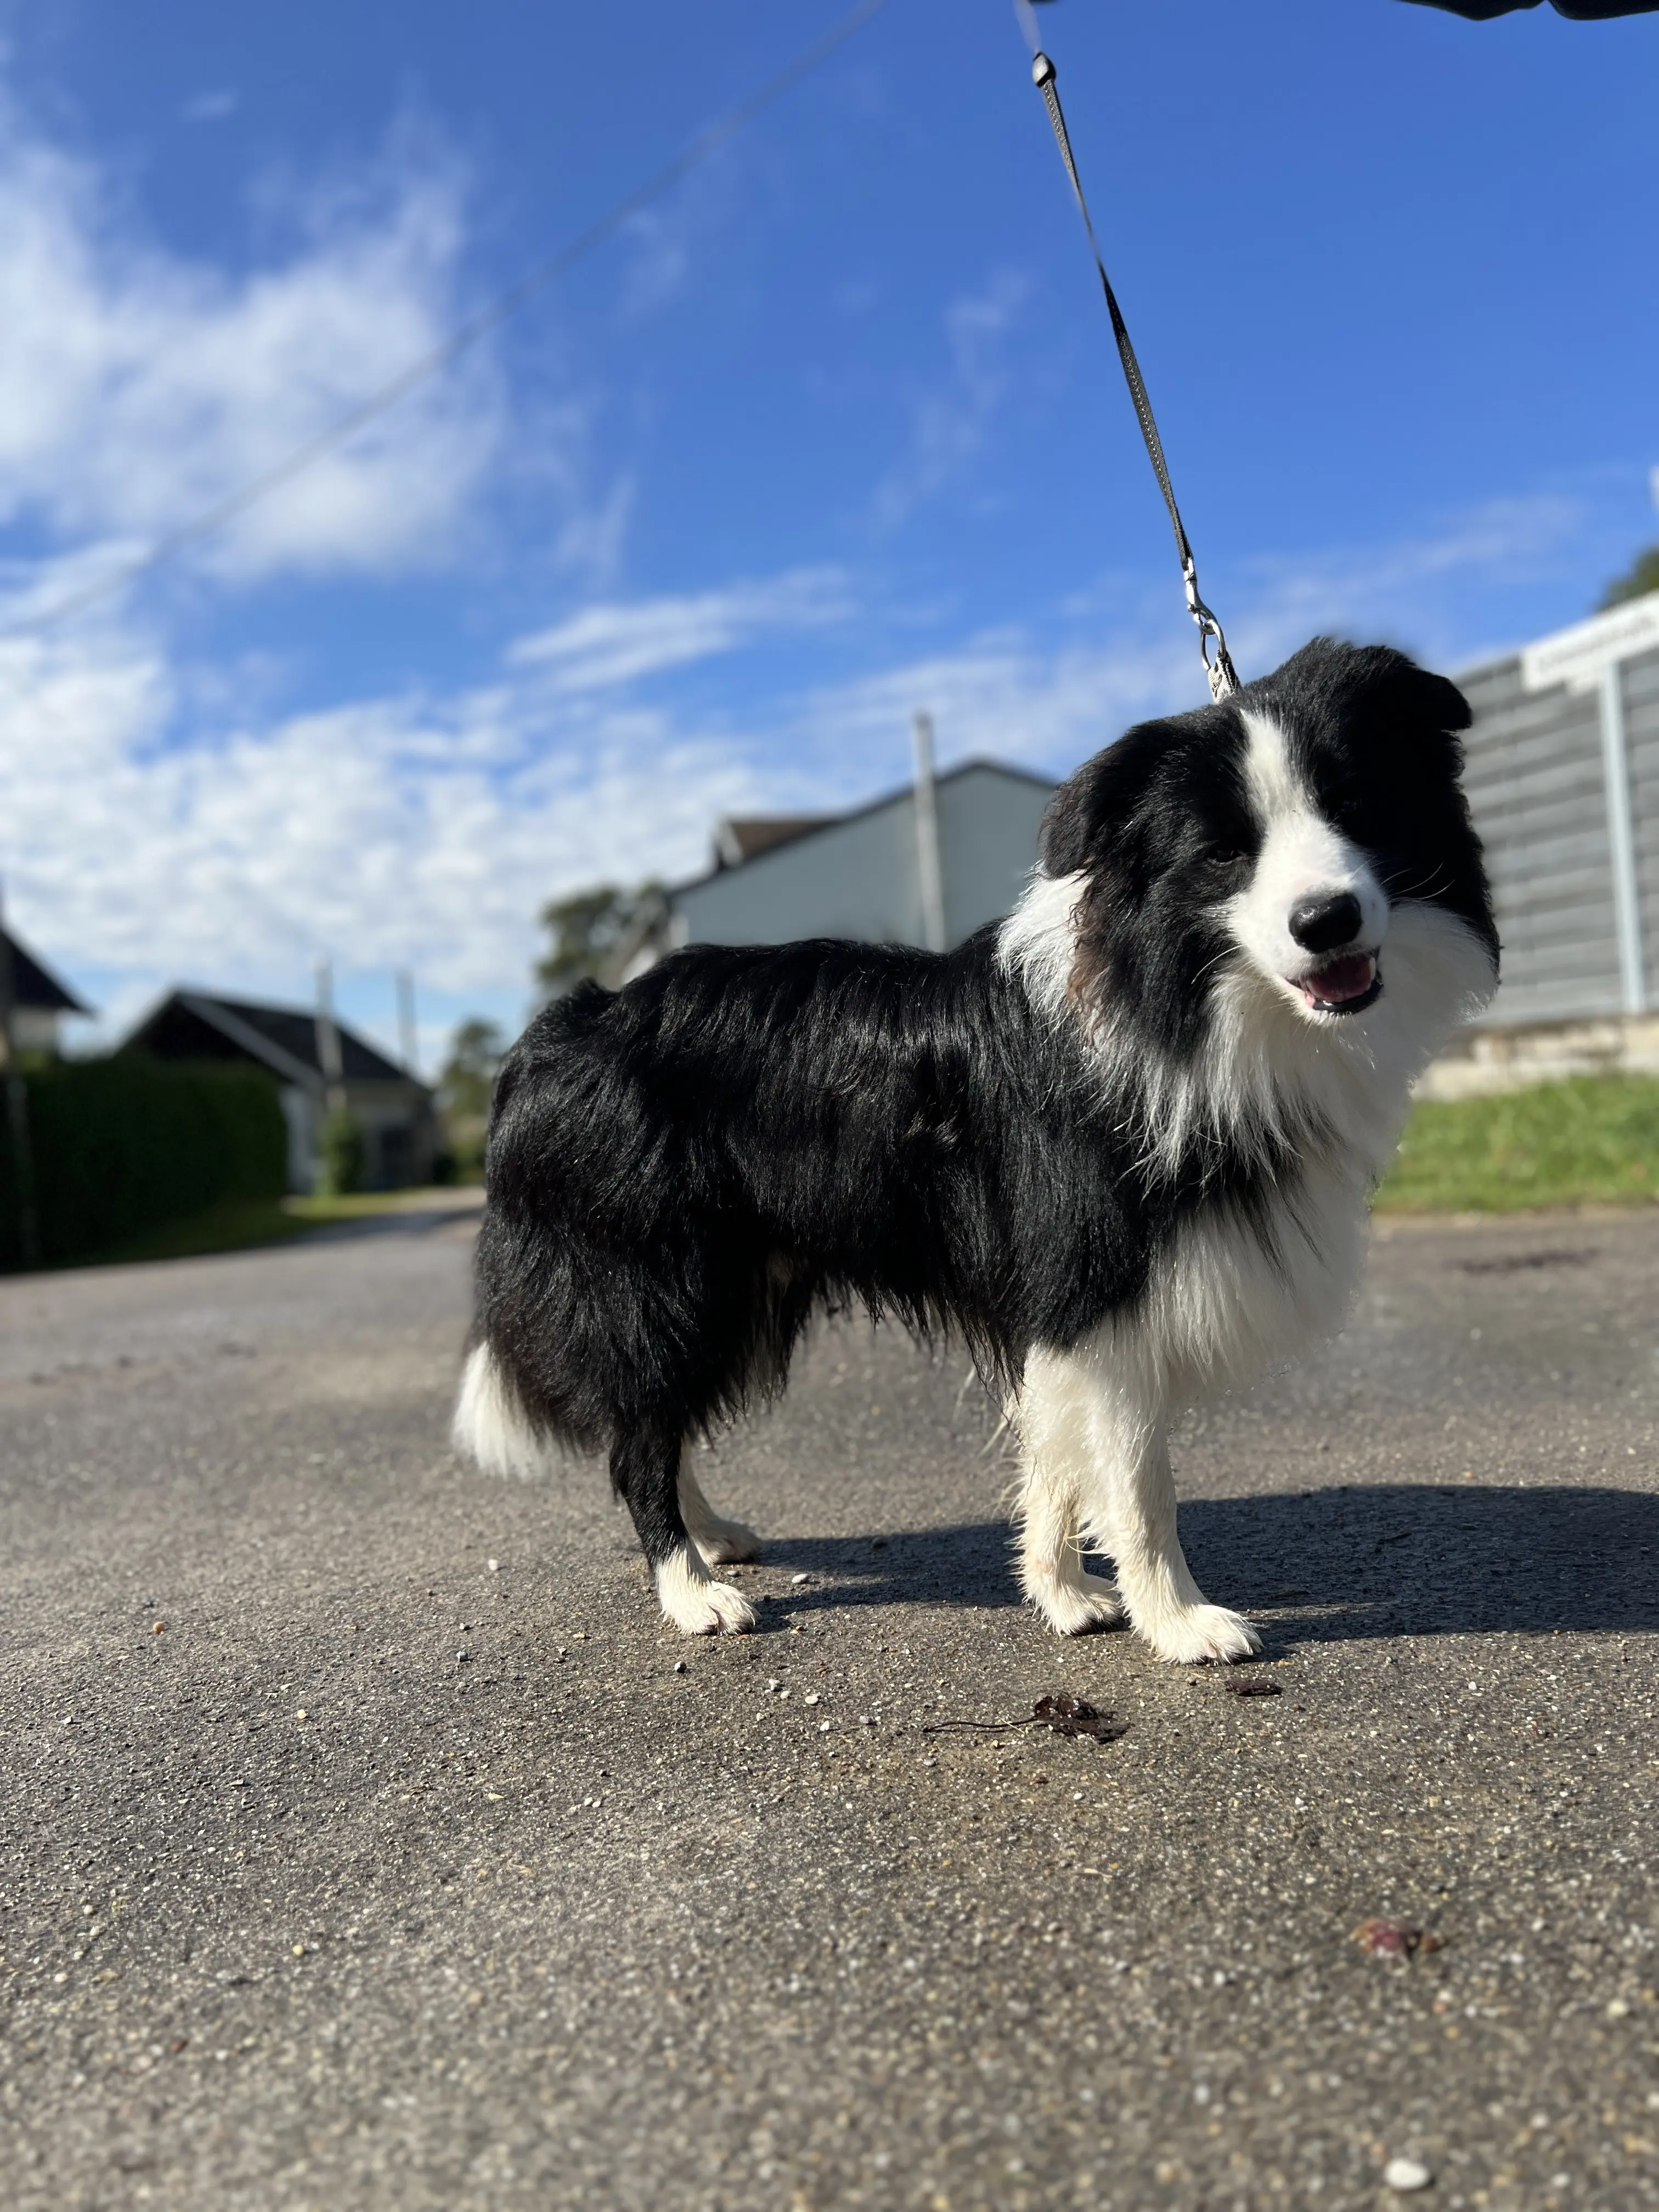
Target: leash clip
pixel 1223 676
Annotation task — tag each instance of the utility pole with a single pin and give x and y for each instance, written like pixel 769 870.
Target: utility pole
pixel 17 1103
pixel 408 1034
pixel 328 1041
pixel 928 878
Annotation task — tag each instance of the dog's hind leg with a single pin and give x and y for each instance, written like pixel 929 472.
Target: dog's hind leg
pixel 1054 1459
pixel 646 1471
pixel 718 1540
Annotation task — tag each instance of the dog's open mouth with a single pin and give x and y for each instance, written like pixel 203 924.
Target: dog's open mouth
pixel 1346 986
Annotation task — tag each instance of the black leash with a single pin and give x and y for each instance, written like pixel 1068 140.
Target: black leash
pixel 1223 676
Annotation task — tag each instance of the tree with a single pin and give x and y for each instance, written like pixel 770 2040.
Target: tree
pixel 475 1054
pixel 1638 581
pixel 342 1147
pixel 463 1086
pixel 596 934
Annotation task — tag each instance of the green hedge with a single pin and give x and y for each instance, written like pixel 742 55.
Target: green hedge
pixel 123 1144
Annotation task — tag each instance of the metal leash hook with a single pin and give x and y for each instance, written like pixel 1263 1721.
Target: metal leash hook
pixel 1222 677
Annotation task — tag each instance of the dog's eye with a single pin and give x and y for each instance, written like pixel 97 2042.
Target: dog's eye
pixel 1226 855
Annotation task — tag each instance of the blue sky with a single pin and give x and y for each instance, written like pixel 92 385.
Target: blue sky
pixel 833 431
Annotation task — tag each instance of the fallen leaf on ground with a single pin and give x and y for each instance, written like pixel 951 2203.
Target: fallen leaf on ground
pixel 1068 1716
pixel 1063 1715
pixel 1250 1686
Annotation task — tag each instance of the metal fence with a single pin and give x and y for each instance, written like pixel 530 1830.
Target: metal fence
pixel 1564 781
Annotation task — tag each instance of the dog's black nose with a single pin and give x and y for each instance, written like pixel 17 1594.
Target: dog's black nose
pixel 1327 919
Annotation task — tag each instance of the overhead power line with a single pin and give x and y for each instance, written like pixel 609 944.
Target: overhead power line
pixel 465 335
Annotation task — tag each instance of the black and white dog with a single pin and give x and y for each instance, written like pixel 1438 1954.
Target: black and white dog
pixel 1121 1143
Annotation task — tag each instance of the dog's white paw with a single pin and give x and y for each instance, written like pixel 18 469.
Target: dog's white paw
pixel 1200 1633
pixel 696 1605
pixel 717 1610
pixel 1077 1606
pixel 724 1542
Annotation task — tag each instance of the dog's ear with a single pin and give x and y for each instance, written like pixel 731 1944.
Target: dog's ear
pixel 1103 792
pixel 1074 817
pixel 1419 695
pixel 1390 688
pixel 1384 689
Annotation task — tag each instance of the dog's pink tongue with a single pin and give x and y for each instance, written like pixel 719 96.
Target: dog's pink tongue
pixel 1348 978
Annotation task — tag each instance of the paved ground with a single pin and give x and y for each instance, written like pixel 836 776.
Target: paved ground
pixel 362 1844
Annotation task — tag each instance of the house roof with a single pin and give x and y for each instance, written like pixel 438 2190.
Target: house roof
pixel 195 1024
pixel 37 987
pixel 739 837
pixel 798 827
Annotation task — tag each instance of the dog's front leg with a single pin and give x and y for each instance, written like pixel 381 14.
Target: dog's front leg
pixel 1114 1439
pixel 1133 1514
pixel 1055 1459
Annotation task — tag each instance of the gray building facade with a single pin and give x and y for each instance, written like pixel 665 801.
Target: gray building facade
pixel 1563 780
pixel 865 874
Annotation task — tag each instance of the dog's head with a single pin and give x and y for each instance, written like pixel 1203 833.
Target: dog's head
pixel 1273 843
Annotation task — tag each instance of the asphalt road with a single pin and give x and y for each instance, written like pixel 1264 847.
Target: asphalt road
pixel 362 1843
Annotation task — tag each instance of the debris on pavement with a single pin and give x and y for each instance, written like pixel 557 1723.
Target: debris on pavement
pixel 1406 2174
pixel 1392 1939
pixel 1251 1686
pixel 1068 1716
pixel 1062 1714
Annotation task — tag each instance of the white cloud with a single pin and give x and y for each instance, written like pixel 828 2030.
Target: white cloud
pixel 608 645
pixel 1406 589
pixel 137 386
pixel 211 107
pixel 1004 693
pixel 952 420
pixel 386 832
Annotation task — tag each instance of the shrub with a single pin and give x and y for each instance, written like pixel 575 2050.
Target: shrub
pixel 342 1146
pixel 119 1145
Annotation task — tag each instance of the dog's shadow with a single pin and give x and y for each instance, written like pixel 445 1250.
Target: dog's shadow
pixel 1323 1565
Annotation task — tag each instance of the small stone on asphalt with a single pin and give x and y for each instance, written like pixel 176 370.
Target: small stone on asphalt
pixel 1405 2175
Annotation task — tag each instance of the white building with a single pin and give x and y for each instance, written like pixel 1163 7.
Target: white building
pixel 38 1001
pixel 879 872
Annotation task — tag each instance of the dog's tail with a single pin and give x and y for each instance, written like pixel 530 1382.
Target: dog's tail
pixel 491 1426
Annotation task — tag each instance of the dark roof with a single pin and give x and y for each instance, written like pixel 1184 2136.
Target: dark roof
pixel 814 825
pixel 35 986
pixel 739 837
pixel 200 1025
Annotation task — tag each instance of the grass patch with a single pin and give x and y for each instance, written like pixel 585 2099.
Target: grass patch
pixel 356 1206
pixel 1593 1140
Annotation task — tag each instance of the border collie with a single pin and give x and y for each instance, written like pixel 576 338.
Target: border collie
pixel 1121 1144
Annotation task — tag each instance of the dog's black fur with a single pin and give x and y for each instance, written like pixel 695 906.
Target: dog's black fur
pixel 681 1172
